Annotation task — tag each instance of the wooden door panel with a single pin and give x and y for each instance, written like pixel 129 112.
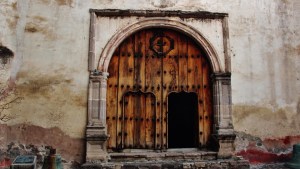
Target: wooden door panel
pixel 128 121
pixel 123 74
pixel 192 64
pixel 139 61
pixel 194 83
pixel 112 102
pixel 170 78
pixel 139 84
pixel 141 138
pixel 126 77
pixel 153 77
pixel 207 103
pixel 147 67
pixel 150 116
pixel 138 124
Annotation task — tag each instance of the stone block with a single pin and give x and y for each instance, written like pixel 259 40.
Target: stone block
pixel 188 165
pixel 201 164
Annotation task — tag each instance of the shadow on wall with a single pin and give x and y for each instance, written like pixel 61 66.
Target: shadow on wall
pixel 5 55
pixel 6 89
pixel 269 150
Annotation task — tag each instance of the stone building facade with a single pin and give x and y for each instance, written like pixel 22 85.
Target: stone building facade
pixel 57 76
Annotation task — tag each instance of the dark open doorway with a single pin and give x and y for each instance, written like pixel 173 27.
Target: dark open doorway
pixel 182 120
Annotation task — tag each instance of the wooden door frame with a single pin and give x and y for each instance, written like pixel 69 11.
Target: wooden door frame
pixel 96 130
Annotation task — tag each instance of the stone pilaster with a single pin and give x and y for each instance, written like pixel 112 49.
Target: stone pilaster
pixel 96 131
pixel 223 128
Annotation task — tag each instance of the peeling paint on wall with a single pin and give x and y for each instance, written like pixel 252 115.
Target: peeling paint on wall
pixel 58 105
pixel 64 2
pixel 57 2
pixel 163 3
pixel 38 24
pixel 268 123
pixel 268 150
pixel 29 139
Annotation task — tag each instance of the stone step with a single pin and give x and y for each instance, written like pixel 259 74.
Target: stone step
pixel 170 159
pixel 172 156
pixel 206 164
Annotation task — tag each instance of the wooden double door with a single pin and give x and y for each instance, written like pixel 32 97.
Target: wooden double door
pixel 158 93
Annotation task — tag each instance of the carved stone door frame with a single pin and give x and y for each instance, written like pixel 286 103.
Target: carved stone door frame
pixel 216 48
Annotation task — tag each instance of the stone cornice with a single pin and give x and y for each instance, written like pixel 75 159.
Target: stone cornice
pixel 158 13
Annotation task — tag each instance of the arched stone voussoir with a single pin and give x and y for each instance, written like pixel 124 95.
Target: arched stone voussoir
pixel 159 22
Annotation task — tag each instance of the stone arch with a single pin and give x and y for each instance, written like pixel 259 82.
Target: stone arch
pixel 122 34
pixel 96 130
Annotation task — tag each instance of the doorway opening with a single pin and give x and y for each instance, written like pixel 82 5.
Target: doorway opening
pixel 182 120
pixel 152 65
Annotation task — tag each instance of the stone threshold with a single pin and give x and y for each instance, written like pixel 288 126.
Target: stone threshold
pixel 170 159
pixel 205 164
pixel 171 155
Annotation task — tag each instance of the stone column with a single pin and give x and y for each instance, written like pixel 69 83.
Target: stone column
pixel 223 128
pixel 96 131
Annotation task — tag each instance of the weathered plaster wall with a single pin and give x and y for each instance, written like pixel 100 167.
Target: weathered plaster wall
pixel 48 74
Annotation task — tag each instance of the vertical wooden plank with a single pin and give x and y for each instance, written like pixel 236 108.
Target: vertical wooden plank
pixel 149 87
pixel 194 85
pixel 137 119
pixel 129 121
pixel 126 78
pixel 192 75
pixel 130 82
pixel 183 55
pixel 207 102
pixel 170 77
pixel 135 122
pixel 112 102
pixel 139 77
pixel 139 61
pixel 200 100
pixel 126 106
pixel 149 124
pixel 123 74
pixel 142 128
pixel 153 84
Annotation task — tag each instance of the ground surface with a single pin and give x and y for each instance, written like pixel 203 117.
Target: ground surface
pixel 269 166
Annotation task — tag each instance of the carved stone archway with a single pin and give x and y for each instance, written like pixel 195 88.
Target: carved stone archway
pixel 96 132
pixel 160 23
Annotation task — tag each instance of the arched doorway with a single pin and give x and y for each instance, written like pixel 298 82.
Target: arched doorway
pixel 111 105
pixel 146 67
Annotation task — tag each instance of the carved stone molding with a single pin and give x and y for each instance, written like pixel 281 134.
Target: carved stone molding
pixel 223 128
pixel 156 18
pixel 96 133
